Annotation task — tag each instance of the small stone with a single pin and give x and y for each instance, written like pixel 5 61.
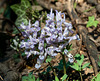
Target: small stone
pixel 98 8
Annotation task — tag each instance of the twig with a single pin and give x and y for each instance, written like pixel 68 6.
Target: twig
pixel 12 23
pixel 81 76
pixel 1 78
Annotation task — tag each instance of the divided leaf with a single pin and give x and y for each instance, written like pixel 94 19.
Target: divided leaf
pixel 85 65
pixel 75 66
pixel 20 10
pixel 92 22
pixel 79 59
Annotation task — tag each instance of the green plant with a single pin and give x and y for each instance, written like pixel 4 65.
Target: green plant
pixel 20 10
pixel 75 4
pixel 30 77
pixel 92 22
pixel 64 77
pixel 78 65
pixel 96 78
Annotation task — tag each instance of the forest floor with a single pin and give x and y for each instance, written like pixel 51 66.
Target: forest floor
pixel 84 9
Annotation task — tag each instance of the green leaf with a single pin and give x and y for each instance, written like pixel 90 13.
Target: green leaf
pixel 99 64
pixel 56 78
pixel 92 22
pixel 68 47
pixel 79 59
pixel 45 44
pixel 24 78
pixel 30 75
pixel 75 66
pixel 85 65
pixel 60 66
pixel 15 31
pixel 48 59
pixel 20 10
pixel 25 3
pixel 64 77
pixel 38 79
pixel 23 54
pixel 33 78
pixel 30 79
pixel 75 4
pixel 98 77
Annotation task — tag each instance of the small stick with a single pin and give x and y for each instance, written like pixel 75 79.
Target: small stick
pixel 1 78
pixel 12 23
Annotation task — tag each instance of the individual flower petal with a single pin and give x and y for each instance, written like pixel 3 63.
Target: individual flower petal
pixel 65 51
pixel 51 15
pixel 68 25
pixel 41 57
pixel 36 24
pixel 37 66
pixel 70 55
pixel 34 52
pixel 54 54
pixel 71 60
pixel 22 44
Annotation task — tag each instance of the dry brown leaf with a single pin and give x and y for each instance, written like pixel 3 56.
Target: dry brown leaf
pixel 80 1
pixel 89 71
pixel 58 4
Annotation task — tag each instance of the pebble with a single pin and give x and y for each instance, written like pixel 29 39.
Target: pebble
pixel 98 8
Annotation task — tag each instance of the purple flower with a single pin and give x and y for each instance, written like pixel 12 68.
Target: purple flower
pixel 22 44
pixel 52 34
pixel 51 15
pixel 36 24
pixel 73 38
pixel 28 53
pixel 34 52
pixel 34 35
pixel 37 66
pixel 41 44
pixel 65 51
pixel 59 16
pixel 70 58
pixel 41 57
pixel 36 27
pixel 51 51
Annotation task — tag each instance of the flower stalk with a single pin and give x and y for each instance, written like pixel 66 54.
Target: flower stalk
pixel 81 76
pixel 64 63
pixel 53 71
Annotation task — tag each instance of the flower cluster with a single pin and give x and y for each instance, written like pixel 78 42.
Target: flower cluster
pixel 48 40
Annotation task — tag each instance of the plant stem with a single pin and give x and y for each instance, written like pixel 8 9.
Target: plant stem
pixel 64 63
pixel 53 70
pixel 19 54
pixel 81 76
pixel 12 23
